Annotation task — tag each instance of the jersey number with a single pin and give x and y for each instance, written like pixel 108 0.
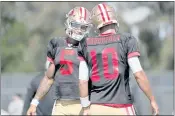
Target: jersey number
pixel 109 76
pixel 66 63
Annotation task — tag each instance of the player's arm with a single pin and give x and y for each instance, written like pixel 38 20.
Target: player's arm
pixel 44 85
pixel 83 84
pixel 48 78
pixel 83 76
pixel 140 77
pixel 43 88
pixel 46 82
pixel 143 82
pixel 134 63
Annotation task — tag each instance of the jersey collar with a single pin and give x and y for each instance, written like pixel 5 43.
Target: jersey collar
pixel 70 44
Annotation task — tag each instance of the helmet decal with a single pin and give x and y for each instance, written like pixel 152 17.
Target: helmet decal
pixel 104 13
pixel 83 13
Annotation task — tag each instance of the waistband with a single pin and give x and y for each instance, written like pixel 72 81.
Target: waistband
pixel 117 105
pixel 67 101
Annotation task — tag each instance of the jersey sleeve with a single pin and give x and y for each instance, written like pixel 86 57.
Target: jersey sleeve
pixel 51 49
pixel 132 47
pixel 81 51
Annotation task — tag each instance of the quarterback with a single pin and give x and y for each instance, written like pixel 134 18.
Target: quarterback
pixel 108 58
pixel 63 66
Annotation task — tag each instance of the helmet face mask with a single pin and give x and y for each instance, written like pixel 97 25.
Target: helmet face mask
pixel 78 23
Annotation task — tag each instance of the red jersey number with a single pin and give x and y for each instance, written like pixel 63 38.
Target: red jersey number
pixel 109 76
pixel 66 62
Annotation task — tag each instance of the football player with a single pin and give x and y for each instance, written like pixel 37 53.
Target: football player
pixel 109 57
pixel 63 66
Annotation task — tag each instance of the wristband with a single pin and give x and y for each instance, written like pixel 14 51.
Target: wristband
pixel 35 102
pixel 85 101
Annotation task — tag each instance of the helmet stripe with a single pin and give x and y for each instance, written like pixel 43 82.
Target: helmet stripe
pixel 103 11
pixel 83 12
pixel 80 13
pixel 106 12
pixel 102 15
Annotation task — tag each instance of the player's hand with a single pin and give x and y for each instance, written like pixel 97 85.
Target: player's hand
pixel 31 110
pixel 155 109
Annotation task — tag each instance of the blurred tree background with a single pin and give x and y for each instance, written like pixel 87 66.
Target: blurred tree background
pixel 26 28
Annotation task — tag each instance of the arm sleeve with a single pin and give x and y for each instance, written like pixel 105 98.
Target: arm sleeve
pixel 132 47
pixel 83 71
pixel 134 64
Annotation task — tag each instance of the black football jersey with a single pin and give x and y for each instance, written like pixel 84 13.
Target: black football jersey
pixel 66 62
pixel 107 57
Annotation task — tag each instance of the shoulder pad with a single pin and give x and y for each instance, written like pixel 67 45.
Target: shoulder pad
pixel 57 41
pixel 125 37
